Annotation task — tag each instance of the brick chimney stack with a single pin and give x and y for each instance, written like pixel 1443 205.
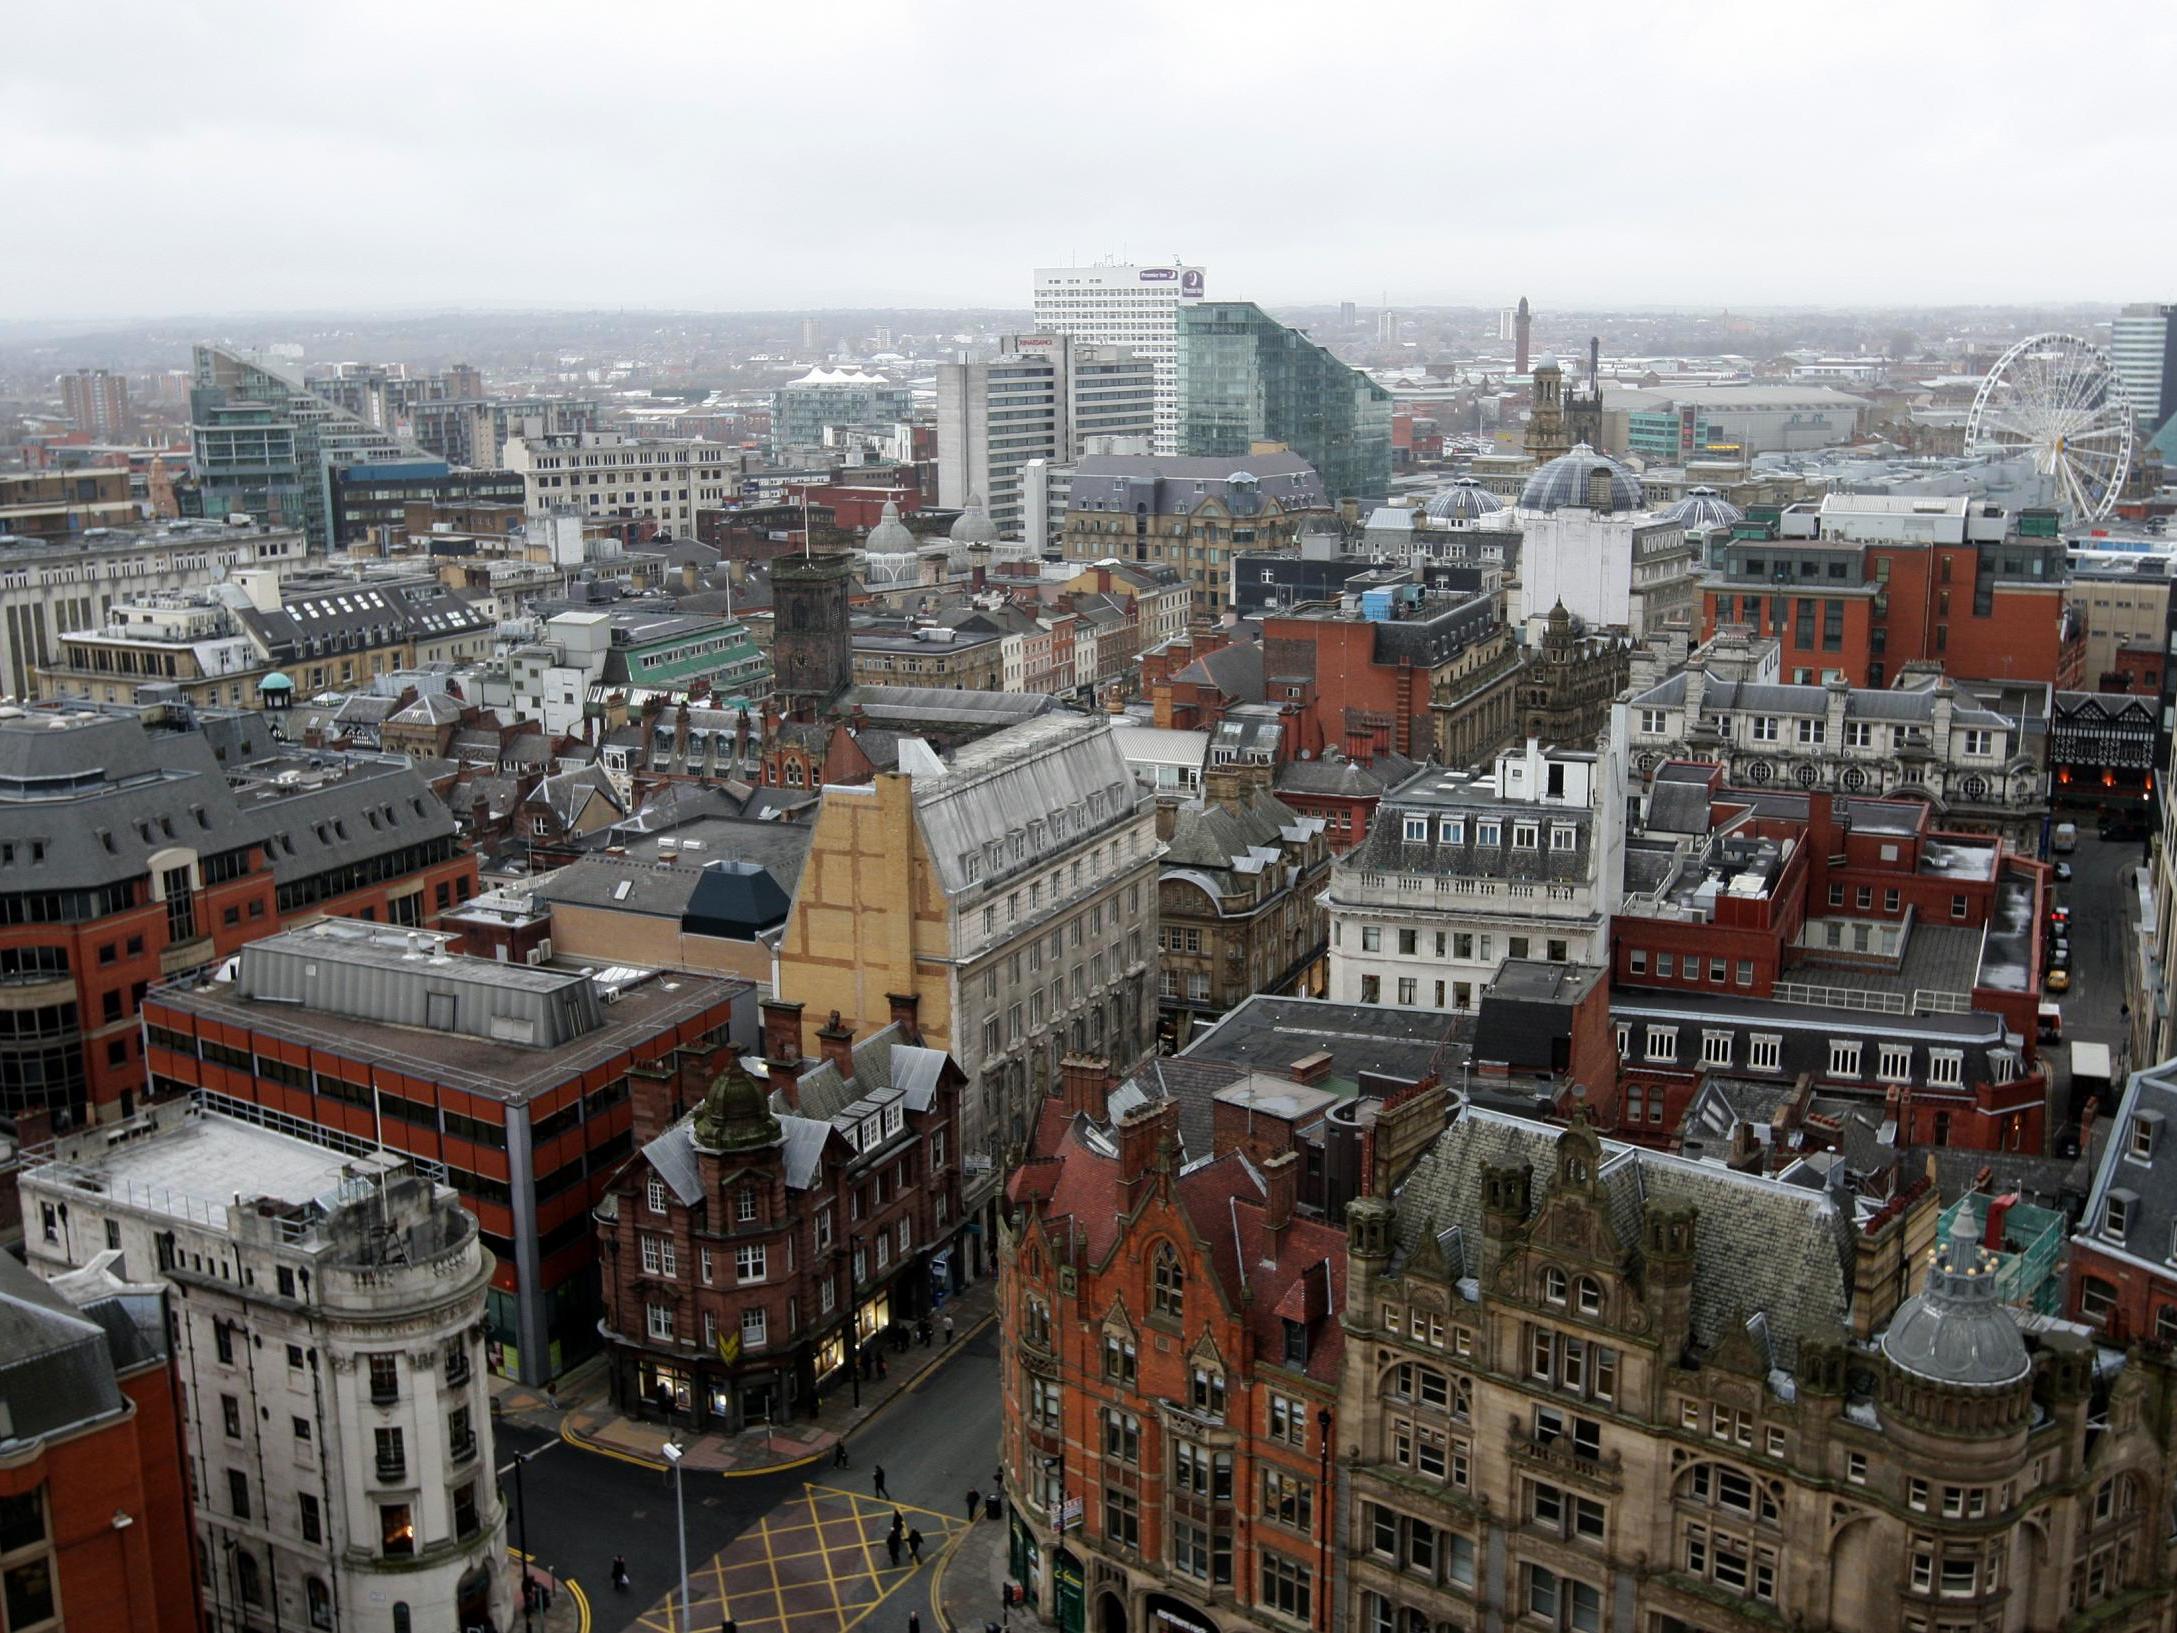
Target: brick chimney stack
pixel 1141 1135
pixel 782 1045
pixel 1281 1182
pixel 835 1042
pixel 1085 1083
pixel 906 1014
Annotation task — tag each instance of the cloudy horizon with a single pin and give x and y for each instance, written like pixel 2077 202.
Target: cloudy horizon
pixel 226 158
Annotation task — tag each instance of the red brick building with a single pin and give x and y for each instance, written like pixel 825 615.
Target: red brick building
pixel 137 843
pixel 1770 936
pixel 1169 1351
pixel 96 1527
pixel 1866 584
pixel 766 1246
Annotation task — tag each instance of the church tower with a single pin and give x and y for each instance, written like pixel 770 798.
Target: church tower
pixel 812 647
pixel 1546 436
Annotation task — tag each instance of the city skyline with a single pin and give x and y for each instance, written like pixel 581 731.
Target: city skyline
pixel 670 203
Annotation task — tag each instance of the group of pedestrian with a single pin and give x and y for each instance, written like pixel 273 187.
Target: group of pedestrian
pixel 901 1534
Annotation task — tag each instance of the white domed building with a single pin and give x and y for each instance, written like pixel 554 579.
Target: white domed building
pixel 1589 541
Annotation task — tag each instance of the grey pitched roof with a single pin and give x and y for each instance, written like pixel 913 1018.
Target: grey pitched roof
pixel 1778 1251
pixel 2149 1187
pixel 378 806
pixel 56 1370
pixel 1355 778
pixel 805 1141
pixel 672 1154
pixel 1191 1085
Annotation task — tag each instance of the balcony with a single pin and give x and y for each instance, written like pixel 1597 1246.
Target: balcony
pixel 1562 1455
pixel 392 1471
pixel 462 1450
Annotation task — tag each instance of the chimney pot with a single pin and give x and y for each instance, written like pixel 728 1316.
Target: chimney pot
pixel 1281 1181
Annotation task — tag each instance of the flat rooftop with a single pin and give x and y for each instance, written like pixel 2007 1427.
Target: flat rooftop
pixel 510 1072
pixel 194 1167
pixel 1268 1034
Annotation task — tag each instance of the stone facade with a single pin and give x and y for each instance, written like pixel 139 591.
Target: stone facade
pixel 1239 898
pixel 1590 1389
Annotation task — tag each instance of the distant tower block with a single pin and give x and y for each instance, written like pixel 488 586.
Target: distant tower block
pixel 1522 332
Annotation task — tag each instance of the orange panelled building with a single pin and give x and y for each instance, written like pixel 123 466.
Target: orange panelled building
pixel 1169 1351
pixel 515 1078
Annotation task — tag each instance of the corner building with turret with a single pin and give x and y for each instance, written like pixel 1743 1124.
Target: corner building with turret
pixel 1601 1389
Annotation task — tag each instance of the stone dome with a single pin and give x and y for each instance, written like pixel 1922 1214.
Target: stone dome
pixel 1466 500
pixel 1956 1330
pixel 974 526
pixel 736 1113
pixel 1569 482
pixel 890 533
pixel 1703 507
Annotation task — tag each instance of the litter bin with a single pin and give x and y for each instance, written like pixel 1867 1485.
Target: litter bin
pixel 990 1506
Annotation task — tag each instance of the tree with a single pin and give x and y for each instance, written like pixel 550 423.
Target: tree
pixel 1902 345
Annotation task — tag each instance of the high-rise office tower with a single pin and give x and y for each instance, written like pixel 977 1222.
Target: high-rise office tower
pixel 2143 347
pixel 1042 397
pixel 1125 305
pixel 1245 378
pixel 97 400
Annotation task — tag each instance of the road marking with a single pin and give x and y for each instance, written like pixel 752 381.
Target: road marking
pixel 888 1502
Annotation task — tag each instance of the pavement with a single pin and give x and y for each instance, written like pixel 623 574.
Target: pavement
pixel 557 1606
pixel 585 1416
pixel 972 1581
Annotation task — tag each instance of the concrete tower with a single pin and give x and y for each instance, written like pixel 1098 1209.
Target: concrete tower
pixel 1522 332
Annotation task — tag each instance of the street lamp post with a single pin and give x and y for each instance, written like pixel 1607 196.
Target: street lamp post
pixel 674 1452
pixel 521 1502
pixel 1324 1496
pixel 854 1322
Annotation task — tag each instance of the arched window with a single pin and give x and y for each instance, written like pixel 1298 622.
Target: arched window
pixel 1589 1296
pixel 1168 1297
pixel 1553 1285
pixel 248 1580
pixel 400 1617
pixel 320 1599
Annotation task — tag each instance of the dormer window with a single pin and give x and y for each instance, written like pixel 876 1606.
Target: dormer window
pixel 2116 1215
pixel 1417 830
pixel 1553 1285
pixel 1296 1343
pixel 2141 1146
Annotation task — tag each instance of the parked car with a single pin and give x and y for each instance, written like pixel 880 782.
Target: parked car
pixel 2063 873
pixel 2052 1022
pixel 2059 980
pixel 2059 957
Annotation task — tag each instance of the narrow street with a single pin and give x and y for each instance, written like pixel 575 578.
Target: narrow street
pixel 2100 897
pixel 795 1551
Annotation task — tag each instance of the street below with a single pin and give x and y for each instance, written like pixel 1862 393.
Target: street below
pixel 795 1551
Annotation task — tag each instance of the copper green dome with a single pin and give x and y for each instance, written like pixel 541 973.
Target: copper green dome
pixel 736 1113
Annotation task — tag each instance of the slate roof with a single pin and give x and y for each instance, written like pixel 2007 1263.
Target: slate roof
pixel 1778 1251
pixel 1215 845
pixel 1344 777
pixel 1902 706
pixel 569 795
pixel 1192 1085
pixel 2146 1187
pixel 1272 1032
pixel 1235 670
pixel 57 1370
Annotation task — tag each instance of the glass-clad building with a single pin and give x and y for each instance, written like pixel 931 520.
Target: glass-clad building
pixel 1244 378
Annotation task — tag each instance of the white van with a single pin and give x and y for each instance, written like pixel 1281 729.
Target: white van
pixel 2066 840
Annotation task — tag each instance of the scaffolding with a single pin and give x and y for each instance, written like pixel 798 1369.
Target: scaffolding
pixel 2025 1257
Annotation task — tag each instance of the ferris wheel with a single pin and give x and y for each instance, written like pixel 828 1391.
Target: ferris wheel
pixel 2056 399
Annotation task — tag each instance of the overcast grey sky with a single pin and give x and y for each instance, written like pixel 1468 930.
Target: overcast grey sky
pixel 200 157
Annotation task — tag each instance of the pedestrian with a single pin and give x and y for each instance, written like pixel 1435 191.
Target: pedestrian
pixel 948 1329
pixel 914 1621
pixel 839 1453
pixel 914 1546
pixel 892 1546
pixel 619 1572
pixel 925 1332
pixel 876 1477
pixel 899 1523
pixel 975 1501
pixel 729 1625
pixel 548 1587
pixel 883 1371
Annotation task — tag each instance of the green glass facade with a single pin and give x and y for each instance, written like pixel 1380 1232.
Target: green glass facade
pixel 1244 378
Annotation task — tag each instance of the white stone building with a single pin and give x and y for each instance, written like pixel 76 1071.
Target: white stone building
pixel 1587 542
pixel 330 1313
pixel 1976 767
pixel 1461 872
pixel 602 473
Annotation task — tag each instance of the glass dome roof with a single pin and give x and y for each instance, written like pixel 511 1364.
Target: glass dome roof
pixel 1704 507
pixel 1464 501
pixel 974 526
pixel 1565 484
